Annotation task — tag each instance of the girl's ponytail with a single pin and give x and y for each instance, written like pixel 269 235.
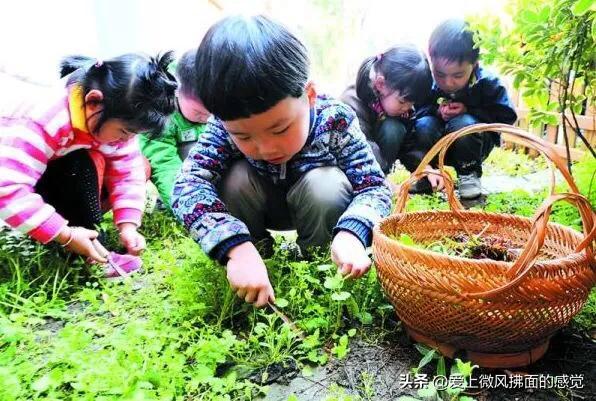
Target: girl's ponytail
pixel 70 64
pixel 156 76
pixel 363 85
pixel 404 68
pixel 136 89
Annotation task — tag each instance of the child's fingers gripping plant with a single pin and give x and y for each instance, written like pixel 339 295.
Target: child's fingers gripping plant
pixel 349 255
pixel 248 276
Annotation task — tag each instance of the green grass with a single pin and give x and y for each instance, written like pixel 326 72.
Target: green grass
pixel 501 161
pixel 177 332
pixel 513 163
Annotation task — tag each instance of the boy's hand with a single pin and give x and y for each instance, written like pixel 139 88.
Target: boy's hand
pixel 451 110
pixel 348 253
pixel 80 241
pixel 442 111
pixel 131 239
pixel 247 275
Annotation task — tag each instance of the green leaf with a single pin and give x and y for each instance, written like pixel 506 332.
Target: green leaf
pixel 530 16
pixel 341 348
pixel 340 296
pixel 42 384
pixel 441 370
pixel 426 359
pixel 545 13
pixel 365 318
pixel 551 120
pixel 333 283
pixel 202 373
pixel 423 349
pixel 518 80
pixel 466 398
pixel 429 392
pixel 406 239
pixel 465 368
pixel 281 302
pixel 351 332
pixel 307 371
pixel 583 6
pixel 577 108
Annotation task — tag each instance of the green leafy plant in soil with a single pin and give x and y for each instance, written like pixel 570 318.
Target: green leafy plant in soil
pixel 456 379
pixel 175 331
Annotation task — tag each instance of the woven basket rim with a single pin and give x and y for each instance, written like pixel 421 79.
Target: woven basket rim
pixel 377 231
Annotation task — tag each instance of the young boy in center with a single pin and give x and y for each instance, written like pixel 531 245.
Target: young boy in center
pixel 463 94
pixel 276 156
pixel 166 152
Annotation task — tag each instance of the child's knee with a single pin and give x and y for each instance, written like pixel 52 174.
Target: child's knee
pixel 99 162
pixel 324 189
pixel 237 182
pixel 427 131
pixel 459 122
pixel 428 126
pixel 317 201
pixel 392 127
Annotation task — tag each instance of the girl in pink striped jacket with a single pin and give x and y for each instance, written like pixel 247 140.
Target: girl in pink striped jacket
pixel 52 141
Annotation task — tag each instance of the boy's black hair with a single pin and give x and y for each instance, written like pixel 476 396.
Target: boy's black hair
pixel 454 41
pixel 186 73
pixel 404 68
pixel 246 65
pixel 136 89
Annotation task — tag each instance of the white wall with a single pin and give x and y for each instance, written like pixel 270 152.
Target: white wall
pixel 36 34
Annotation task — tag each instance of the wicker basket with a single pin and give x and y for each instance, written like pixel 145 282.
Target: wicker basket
pixel 501 314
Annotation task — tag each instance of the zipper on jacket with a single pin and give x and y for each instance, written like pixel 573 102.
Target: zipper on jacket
pixel 282 172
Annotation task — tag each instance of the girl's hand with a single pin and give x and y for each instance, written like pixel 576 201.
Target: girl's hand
pixel 348 253
pixel 247 275
pixel 436 181
pixel 131 239
pixel 80 241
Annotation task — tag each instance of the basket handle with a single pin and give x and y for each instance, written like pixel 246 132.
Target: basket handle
pixel 526 260
pixel 404 190
pixel 440 148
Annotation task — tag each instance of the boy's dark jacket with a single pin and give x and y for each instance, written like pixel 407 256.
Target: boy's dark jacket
pixel 485 97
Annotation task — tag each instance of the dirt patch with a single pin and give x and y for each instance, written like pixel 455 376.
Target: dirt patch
pixel 570 353
pixel 373 372
pixel 280 372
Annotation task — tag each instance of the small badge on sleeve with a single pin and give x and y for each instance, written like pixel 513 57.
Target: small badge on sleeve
pixel 189 135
